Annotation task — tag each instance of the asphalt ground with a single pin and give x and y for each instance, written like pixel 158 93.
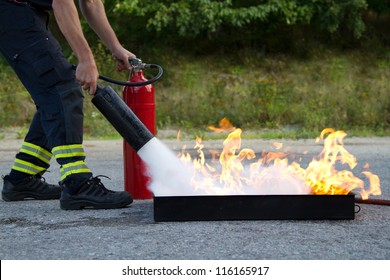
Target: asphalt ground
pixel 40 230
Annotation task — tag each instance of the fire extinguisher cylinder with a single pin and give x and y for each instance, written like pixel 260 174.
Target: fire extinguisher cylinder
pixel 121 117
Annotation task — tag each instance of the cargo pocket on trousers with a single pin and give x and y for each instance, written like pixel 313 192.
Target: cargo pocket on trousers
pixel 72 99
pixel 46 71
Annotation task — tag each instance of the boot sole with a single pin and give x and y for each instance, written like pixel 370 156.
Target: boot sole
pixel 81 204
pixel 18 196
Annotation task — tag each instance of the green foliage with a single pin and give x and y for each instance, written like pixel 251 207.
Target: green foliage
pixel 193 18
pixel 283 67
pixel 379 6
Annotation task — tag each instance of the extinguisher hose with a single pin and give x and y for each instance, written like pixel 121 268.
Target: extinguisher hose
pixel 136 84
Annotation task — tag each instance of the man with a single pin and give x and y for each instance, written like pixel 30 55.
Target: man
pixel 57 127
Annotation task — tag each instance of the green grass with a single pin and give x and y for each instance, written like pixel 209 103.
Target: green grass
pixel 280 95
pixel 271 96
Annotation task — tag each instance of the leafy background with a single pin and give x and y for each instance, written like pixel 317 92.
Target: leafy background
pixel 278 68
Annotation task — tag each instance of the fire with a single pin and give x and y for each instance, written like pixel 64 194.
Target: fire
pixel 272 173
pixel 322 176
pixel 224 126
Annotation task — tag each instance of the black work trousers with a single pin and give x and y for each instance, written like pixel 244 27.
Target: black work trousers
pixel 37 58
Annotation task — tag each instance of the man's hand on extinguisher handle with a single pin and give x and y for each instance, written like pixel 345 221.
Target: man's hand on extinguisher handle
pixel 122 56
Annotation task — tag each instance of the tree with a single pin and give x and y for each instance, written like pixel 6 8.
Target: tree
pixel 192 18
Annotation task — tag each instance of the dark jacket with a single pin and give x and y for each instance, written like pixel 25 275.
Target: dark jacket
pixel 42 4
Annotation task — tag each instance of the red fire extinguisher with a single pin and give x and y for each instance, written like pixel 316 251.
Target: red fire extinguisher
pixel 138 94
pixel 141 101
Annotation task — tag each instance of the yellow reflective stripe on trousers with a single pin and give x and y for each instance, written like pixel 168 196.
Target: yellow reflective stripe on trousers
pixel 68 151
pixel 27 167
pixel 73 168
pixel 36 151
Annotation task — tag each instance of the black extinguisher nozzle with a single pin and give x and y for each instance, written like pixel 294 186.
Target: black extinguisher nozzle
pixel 121 117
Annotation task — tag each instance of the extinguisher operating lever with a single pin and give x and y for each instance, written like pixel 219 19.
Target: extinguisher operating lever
pixel 137 64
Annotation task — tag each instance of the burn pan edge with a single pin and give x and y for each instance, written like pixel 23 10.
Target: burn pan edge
pixel 253 207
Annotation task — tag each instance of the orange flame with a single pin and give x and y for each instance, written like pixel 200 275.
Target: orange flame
pixel 224 126
pixel 322 176
pixel 272 173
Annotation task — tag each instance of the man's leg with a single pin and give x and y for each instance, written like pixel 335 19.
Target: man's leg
pixel 24 180
pixel 37 59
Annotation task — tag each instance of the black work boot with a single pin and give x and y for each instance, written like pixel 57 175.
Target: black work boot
pixel 92 194
pixel 32 187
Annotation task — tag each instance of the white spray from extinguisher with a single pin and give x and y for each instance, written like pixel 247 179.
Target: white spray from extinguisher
pixel 172 177
pixel 169 176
